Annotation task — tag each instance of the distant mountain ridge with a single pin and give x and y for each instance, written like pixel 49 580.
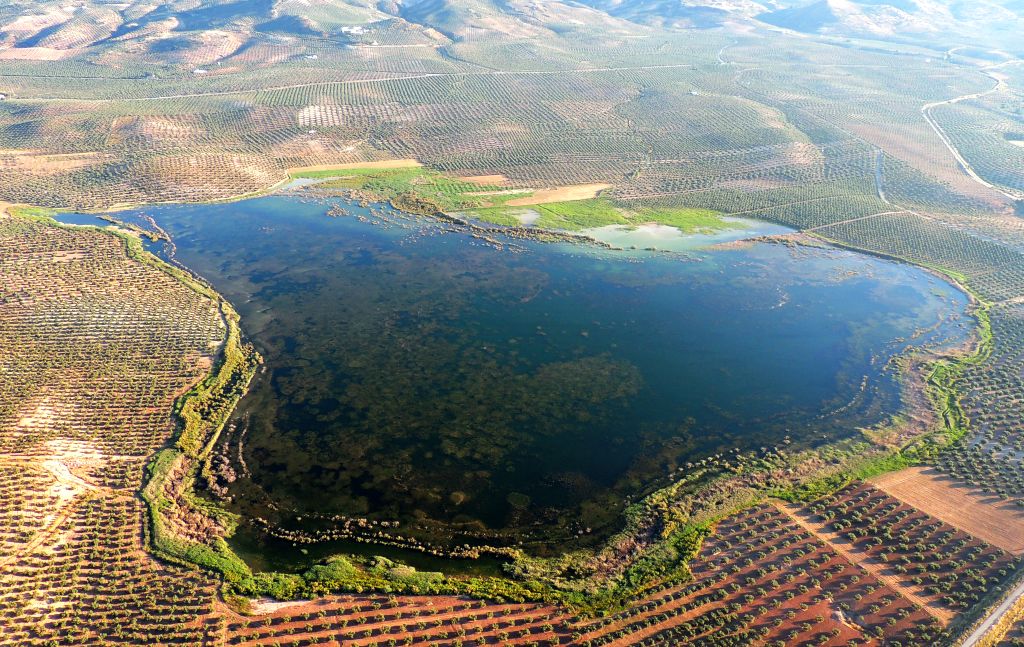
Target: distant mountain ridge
pixel 964 19
pixel 683 13
pixel 47 28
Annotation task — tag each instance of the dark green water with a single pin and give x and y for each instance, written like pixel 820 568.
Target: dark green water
pixel 418 375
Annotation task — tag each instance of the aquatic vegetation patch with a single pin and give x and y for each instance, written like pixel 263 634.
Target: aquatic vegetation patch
pixel 577 215
pixel 426 190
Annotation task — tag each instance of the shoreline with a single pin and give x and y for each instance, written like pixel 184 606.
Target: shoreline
pixel 977 340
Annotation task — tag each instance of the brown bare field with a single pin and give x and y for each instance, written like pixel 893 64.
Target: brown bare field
pixel 560 194
pixel 1000 523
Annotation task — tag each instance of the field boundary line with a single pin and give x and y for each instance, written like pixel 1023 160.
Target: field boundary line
pixel 964 164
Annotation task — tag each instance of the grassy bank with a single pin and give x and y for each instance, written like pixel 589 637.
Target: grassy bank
pixel 202 412
pixel 421 190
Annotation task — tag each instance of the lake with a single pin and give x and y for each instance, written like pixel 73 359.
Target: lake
pixel 484 389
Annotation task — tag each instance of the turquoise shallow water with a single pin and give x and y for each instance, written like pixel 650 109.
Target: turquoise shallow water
pixel 662 237
pixel 417 374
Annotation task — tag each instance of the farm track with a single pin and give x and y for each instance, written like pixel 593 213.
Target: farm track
pixel 406 77
pixel 857 219
pixel 925 112
pixel 993 618
pixel 926 109
pixel 84 491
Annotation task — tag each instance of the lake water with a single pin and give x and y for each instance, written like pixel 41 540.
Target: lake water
pixel 523 392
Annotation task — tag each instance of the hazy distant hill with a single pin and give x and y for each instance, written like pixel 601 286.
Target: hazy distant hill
pixel 993 21
pixel 683 13
pixel 201 31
